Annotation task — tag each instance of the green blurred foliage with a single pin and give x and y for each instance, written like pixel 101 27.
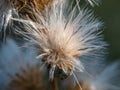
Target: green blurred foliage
pixel 109 11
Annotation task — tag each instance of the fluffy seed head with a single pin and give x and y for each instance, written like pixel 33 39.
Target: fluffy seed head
pixel 28 79
pixel 62 36
pixel 18 70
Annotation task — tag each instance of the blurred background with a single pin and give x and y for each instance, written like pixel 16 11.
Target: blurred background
pixel 109 11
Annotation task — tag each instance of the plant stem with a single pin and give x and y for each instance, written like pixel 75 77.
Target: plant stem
pixel 54 84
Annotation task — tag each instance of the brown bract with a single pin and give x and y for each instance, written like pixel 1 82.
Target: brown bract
pixel 30 79
pixel 60 61
pixel 28 7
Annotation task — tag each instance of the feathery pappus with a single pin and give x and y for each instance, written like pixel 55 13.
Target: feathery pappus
pixel 19 9
pixel 108 79
pixel 93 2
pixel 6 12
pixel 18 70
pixel 61 37
pixel 24 9
pixel 67 40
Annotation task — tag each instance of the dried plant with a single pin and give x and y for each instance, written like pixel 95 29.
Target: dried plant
pixel 27 7
pixel 18 70
pixel 20 9
pixel 64 39
pixel 24 9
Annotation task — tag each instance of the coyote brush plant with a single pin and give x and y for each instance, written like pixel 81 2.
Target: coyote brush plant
pixel 24 9
pixel 61 37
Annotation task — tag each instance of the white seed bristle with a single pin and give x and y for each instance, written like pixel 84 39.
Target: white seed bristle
pixel 63 36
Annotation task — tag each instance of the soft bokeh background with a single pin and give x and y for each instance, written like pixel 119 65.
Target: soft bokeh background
pixel 109 11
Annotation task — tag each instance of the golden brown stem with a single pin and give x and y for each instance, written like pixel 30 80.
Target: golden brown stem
pixel 54 84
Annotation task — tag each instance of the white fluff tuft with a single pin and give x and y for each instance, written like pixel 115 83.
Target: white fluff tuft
pixel 70 33
pixel 12 60
pixel 108 79
pixel 93 2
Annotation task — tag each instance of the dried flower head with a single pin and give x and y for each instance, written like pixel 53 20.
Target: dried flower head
pixel 30 79
pixel 18 70
pixel 61 37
